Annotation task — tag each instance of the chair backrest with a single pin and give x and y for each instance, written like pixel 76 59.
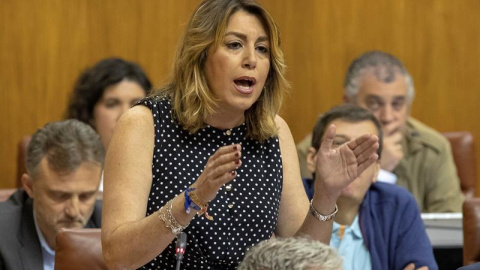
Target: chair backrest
pixel 463 150
pixel 5 193
pixel 21 156
pixel 471 231
pixel 79 249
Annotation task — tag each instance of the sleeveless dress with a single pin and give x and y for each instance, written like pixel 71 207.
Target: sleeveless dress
pixel 243 215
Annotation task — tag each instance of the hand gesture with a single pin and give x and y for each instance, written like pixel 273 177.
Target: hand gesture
pixel 411 266
pixel 392 151
pixel 336 168
pixel 220 169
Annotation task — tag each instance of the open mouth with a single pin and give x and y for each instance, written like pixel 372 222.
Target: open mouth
pixel 245 84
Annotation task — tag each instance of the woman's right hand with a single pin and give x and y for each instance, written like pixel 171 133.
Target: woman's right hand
pixel 220 169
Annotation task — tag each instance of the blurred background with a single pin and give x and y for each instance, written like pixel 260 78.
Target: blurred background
pixel 45 44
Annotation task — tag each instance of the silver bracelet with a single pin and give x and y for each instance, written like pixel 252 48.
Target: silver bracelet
pixel 165 215
pixel 321 217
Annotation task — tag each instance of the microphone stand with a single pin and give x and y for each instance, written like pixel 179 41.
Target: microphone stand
pixel 180 249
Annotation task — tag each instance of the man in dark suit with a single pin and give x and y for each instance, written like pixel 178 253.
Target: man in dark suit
pixel 64 166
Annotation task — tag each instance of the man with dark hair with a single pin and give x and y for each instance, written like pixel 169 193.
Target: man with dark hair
pixel 414 155
pixel 378 225
pixel 64 164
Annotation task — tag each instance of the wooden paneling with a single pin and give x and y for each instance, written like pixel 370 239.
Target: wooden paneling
pixel 438 41
pixel 44 44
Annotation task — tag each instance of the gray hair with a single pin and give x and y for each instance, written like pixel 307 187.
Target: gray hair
pixel 295 253
pixel 66 145
pixel 383 65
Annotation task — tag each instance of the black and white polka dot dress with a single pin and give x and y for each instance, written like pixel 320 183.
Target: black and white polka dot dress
pixel 245 212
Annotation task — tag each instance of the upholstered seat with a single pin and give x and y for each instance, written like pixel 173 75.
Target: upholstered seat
pixel 471 231
pixel 463 150
pixel 79 249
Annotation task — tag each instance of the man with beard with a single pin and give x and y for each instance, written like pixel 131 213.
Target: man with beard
pixel 64 164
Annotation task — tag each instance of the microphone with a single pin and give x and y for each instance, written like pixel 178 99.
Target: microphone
pixel 180 248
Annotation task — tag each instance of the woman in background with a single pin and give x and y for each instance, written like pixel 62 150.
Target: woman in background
pixel 105 91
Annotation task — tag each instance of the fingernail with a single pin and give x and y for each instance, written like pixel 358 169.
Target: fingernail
pixel 237 154
pixel 233 172
pixel 237 161
pixel 234 147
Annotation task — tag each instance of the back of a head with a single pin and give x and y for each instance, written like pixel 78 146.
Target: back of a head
pixel 294 253
pixel 65 145
pixel 383 65
pixel 92 83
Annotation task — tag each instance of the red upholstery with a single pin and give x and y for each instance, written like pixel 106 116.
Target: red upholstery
pixel 21 156
pixel 463 150
pixel 79 249
pixel 471 231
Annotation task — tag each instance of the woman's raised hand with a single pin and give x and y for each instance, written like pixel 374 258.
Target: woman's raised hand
pixel 338 167
pixel 220 169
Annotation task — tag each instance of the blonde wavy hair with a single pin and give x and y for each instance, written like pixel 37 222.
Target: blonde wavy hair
pixel 191 98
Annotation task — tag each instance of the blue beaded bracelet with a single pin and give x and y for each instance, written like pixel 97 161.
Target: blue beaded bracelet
pixel 188 201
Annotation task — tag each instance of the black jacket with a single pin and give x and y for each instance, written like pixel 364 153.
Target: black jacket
pixel 19 244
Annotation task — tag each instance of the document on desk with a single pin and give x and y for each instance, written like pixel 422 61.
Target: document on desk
pixel 445 230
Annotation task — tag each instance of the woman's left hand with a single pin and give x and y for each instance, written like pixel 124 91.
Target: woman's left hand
pixel 336 168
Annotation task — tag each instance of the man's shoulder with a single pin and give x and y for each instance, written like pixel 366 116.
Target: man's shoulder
pixel 11 210
pixel 475 266
pixel 391 204
pixel 10 219
pixel 14 204
pixel 12 214
pixel 393 195
pixel 18 234
pixel 305 143
pixel 419 132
